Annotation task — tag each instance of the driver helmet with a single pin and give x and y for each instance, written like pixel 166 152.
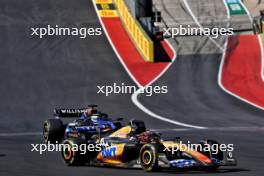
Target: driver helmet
pixel 94 117
pixel 90 111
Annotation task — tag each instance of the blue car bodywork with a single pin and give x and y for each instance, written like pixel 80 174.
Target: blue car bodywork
pixel 93 127
pixel 86 125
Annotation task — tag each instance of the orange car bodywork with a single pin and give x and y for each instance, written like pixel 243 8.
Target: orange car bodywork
pixel 113 154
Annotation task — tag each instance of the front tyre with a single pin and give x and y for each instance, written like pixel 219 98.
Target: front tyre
pixel 149 157
pixel 71 153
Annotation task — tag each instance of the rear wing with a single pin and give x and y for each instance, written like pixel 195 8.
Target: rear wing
pixel 69 113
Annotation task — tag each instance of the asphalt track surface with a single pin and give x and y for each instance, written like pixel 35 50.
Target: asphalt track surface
pixel 208 13
pixel 40 74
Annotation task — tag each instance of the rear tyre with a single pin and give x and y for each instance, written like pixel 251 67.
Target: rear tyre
pixel 149 155
pixel 71 154
pixel 53 130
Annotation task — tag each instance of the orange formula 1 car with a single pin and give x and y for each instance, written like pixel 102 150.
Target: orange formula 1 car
pixel 134 146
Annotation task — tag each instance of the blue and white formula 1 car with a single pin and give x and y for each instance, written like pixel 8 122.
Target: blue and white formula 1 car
pixel 89 121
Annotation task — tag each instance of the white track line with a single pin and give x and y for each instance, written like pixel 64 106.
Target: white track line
pixel 223 61
pixel 143 108
pixel 147 111
pixel 20 134
pixel 135 100
pixel 134 96
pixel 118 56
pixel 198 23
pixel 113 46
pixel 235 128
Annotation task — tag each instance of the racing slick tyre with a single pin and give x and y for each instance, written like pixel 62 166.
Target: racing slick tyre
pixel 148 156
pixel 71 153
pixel 53 130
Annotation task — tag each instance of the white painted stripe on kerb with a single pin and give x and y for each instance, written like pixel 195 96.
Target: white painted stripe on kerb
pixel 262 57
pixel 134 96
pixel 113 46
